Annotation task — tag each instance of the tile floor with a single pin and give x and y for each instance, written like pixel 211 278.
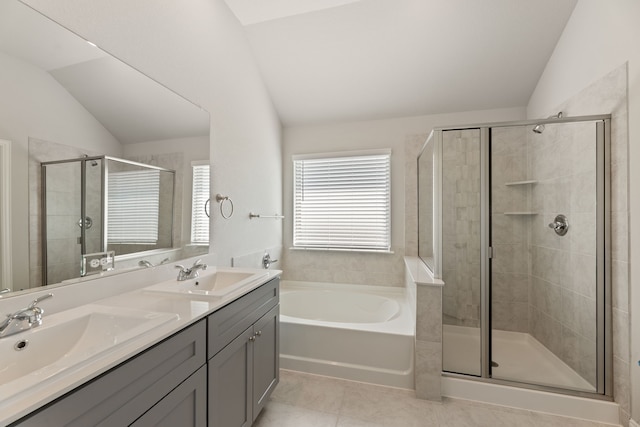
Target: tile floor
pixel 304 400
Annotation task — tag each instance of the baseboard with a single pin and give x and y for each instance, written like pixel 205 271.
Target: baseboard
pixel 633 423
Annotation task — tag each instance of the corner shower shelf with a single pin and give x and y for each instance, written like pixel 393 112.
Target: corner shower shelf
pixel 520 183
pixel 521 213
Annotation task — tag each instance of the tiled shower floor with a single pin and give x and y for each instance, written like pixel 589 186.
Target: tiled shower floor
pixel 519 357
pixel 305 400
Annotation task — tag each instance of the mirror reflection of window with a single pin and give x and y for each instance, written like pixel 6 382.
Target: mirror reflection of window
pixel 134 206
pixel 201 204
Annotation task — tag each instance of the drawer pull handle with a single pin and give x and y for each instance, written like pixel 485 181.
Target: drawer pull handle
pixel 252 338
pixel 259 333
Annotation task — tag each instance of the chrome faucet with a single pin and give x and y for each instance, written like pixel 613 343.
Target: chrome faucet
pixel 191 272
pixel 23 319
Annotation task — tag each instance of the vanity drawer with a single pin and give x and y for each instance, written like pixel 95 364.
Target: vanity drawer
pixel 123 394
pixel 233 319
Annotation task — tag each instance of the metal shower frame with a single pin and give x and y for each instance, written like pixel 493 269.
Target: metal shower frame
pixel 604 387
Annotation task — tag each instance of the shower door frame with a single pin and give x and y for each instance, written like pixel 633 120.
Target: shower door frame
pixel 604 341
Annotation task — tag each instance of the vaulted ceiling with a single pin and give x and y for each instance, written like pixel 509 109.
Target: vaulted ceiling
pixel 344 60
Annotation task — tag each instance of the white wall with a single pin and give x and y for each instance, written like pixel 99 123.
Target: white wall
pixel 599 37
pixel 201 52
pixel 35 105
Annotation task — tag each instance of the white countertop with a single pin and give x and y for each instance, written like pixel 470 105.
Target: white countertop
pixel 189 309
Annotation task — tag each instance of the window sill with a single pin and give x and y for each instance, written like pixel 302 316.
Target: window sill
pixel 366 251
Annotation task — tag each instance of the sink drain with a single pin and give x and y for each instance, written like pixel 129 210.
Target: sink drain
pixel 21 345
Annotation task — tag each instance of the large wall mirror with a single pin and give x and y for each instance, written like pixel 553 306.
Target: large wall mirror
pixel 81 117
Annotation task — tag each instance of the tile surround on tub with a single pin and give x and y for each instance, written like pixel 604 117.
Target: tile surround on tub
pixel 357 268
pixel 428 341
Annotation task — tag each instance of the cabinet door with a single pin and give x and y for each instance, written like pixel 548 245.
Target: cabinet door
pixel 265 358
pixel 185 406
pixel 230 373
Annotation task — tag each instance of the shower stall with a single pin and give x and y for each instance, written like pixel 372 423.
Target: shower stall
pixel 99 205
pixel 514 218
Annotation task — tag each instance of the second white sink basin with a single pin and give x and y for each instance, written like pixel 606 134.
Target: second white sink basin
pixel 215 282
pixel 68 340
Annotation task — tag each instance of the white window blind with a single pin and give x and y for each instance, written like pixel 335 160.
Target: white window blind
pixel 133 206
pixel 200 196
pixel 343 202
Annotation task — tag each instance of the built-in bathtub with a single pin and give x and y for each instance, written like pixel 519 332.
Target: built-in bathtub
pixel 356 332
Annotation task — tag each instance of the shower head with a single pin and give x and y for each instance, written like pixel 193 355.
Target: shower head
pixel 539 128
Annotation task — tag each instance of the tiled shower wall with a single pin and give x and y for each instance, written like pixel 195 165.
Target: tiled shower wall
pixel 461 227
pixel 561 274
pixel 609 95
pixel 562 309
pixel 510 223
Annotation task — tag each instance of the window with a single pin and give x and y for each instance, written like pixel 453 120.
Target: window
pixel 342 201
pixel 133 206
pixel 200 203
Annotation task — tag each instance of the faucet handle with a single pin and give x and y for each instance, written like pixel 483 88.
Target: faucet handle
pixel 180 266
pixel 196 262
pixel 36 301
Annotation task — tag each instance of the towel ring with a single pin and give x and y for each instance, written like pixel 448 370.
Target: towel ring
pixel 221 199
pixel 206 208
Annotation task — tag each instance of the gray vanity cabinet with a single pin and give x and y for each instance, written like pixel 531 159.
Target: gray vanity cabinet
pixel 243 369
pixel 168 379
pixel 171 384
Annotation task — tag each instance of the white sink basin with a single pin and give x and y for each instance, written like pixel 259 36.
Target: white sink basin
pixel 68 340
pixel 214 282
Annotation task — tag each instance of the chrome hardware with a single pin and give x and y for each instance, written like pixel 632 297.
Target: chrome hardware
pixel 144 263
pixel 252 338
pixel 221 199
pixel 259 333
pixel 23 319
pixel 21 345
pixel 560 225
pixel 255 215
pixel 191 272
pixel 87 223
pixel 5 291
pixel 267 261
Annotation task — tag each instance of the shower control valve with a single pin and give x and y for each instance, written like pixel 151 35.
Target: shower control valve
pixel 560 225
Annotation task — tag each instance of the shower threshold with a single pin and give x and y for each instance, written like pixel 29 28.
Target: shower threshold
pixel 520 357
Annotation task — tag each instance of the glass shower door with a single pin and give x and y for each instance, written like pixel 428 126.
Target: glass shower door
pixel 72 216
pixel 61 229
pixel 461 254
pixel 545 264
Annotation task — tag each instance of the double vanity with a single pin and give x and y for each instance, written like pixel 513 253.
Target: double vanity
pixel 200 351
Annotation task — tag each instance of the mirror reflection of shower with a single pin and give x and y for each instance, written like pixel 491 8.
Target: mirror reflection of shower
pixel 102 204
